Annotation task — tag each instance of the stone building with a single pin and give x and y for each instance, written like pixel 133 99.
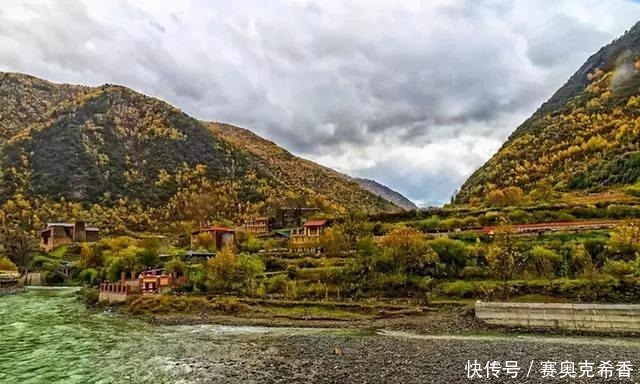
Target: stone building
pixel 57 234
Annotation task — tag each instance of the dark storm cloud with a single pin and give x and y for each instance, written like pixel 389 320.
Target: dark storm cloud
pixel 328 79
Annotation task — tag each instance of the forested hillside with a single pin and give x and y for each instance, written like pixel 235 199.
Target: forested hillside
pixel 306 174
pixel 125 161
pixel 584 139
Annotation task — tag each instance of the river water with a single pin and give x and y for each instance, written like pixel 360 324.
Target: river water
pixel 47 336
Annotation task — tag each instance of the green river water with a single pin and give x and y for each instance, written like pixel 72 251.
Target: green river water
pixel 47 336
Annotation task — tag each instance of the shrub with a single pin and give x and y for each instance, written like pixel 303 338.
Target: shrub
pixel 544 262
pixel 618 268
pixel 457 288
pixel 277 284
pixel 89 276
pixel 7 265
pixel 162 304
pixel 274 264
pixel 474 273
pixel 633 190
pixel 596 249
pixel 89 296
pixel 452 253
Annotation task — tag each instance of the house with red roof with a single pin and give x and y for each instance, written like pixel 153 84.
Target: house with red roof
pixel 308 236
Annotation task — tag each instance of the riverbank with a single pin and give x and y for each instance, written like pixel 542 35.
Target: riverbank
pixel 234 311
pixel 13 290
pixel 440 318
pixel 442 321
pixel 50 337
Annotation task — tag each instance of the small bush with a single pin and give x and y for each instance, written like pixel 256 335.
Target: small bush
pixel 457 288
pixel 474 273
pixel 7 265
pixel 89 276
pixel 618 268
pixel 89 296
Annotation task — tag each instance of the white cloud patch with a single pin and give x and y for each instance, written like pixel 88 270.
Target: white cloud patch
pixel 416 94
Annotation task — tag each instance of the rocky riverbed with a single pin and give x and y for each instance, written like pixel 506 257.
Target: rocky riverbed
pixel 443 321
pixel 405 358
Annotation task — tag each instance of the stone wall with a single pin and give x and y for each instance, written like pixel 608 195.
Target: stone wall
pixel 114 293
pixel 32 278
pixel 574 317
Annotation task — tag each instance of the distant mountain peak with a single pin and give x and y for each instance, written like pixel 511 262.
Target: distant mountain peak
pixel 386 193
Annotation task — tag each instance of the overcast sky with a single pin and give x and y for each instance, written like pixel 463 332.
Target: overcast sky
pixel 415 95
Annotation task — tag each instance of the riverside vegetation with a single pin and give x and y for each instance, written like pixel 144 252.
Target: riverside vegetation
pixel 368 270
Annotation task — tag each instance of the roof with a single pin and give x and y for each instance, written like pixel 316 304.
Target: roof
pixel 315 223
pixel 60 225
pixel 281 232
pixel 92 229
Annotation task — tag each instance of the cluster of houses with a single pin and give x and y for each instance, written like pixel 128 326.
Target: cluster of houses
pixel 290 226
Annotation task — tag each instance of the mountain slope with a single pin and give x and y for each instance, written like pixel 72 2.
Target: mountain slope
pixel 586 137
pixel 109 146
pixel 386 193
pixel 299 172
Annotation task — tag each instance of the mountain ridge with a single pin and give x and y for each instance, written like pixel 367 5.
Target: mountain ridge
pixel 109 146
pixel 583 139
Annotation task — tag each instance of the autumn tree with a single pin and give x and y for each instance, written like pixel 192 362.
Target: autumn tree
pixel 625 240
pixel 409 249
pixel 206 241
pixel 17 245
pixel 231 273
pixel 503 256
pixel 7 265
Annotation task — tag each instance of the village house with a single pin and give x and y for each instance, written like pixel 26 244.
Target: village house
pixel 221 236
pixel 308 236
pixel 57 234
pixel 258 226
pixel 152 281
pixel 155 281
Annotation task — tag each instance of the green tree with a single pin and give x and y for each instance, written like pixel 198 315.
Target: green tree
pixel 452 253
pixel 231 273
pixel 176 266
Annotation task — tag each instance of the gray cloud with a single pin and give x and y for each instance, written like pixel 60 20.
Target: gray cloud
pixel 326 79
